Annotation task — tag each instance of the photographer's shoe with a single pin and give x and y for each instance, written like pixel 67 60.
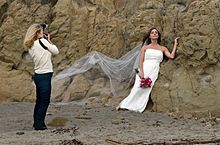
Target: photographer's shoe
pixel 40 128
pixel 44 125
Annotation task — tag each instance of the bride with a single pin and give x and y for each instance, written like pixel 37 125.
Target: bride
pixel 149 64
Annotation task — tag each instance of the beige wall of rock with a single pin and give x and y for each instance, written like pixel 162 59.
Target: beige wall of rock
pixel 189 84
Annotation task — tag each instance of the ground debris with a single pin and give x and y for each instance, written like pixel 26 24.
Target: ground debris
pixel 20 133
pixel 64 130
pixel 83 117
pixel 210 121
pixel 71 142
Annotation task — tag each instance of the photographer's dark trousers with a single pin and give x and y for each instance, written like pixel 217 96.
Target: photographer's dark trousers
pixel 43 92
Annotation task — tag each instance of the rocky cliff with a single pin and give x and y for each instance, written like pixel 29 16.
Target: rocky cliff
pixel 187 84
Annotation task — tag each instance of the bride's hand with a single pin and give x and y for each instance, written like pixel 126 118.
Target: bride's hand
pixel 176 40
pixel 141 74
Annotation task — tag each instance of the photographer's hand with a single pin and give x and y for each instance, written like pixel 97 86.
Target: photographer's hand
pixel 48 38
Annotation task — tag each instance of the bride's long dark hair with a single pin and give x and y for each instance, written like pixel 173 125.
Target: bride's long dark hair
pixel 147 40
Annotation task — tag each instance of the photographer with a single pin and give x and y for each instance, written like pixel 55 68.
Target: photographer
pixel 41 50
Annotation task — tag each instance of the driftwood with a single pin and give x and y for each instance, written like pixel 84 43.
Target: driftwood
pixel 83 117
pixel 173 142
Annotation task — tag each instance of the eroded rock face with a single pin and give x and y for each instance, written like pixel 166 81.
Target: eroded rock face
pixel 189 83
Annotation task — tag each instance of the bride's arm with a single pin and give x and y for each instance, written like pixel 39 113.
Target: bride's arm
pixel 172 54
pixel 141 61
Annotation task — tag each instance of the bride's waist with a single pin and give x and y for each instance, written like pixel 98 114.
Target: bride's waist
pixel 152 61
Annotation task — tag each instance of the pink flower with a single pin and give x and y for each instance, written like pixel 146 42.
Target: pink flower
pixel 145 82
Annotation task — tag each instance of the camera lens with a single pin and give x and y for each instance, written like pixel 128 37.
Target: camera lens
pixel 43 26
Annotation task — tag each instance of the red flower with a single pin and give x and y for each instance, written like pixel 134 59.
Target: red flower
pixel 145 82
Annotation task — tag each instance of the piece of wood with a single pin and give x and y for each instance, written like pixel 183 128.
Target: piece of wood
pixel 173 142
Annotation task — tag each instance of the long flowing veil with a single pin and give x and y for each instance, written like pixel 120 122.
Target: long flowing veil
pixel 118 70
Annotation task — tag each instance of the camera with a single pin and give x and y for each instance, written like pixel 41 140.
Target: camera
pixel 44 26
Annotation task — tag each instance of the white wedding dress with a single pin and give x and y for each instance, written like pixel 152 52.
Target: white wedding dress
pixel 138 98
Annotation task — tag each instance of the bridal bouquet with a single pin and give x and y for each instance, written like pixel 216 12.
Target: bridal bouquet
pixel 145 82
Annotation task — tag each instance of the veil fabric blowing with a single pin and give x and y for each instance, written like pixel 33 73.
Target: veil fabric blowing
pixel 118 71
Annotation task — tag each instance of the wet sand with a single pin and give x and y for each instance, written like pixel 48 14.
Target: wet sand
pixel 72 123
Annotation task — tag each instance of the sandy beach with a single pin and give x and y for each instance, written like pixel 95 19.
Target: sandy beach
pixel 73 123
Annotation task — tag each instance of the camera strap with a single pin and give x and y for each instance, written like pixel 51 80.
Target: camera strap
pixel 45 47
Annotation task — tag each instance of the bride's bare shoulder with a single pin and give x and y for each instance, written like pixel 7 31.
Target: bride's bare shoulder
pixel 163 48
pixel 145 47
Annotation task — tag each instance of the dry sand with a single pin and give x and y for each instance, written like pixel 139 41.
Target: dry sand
pixel 73 123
